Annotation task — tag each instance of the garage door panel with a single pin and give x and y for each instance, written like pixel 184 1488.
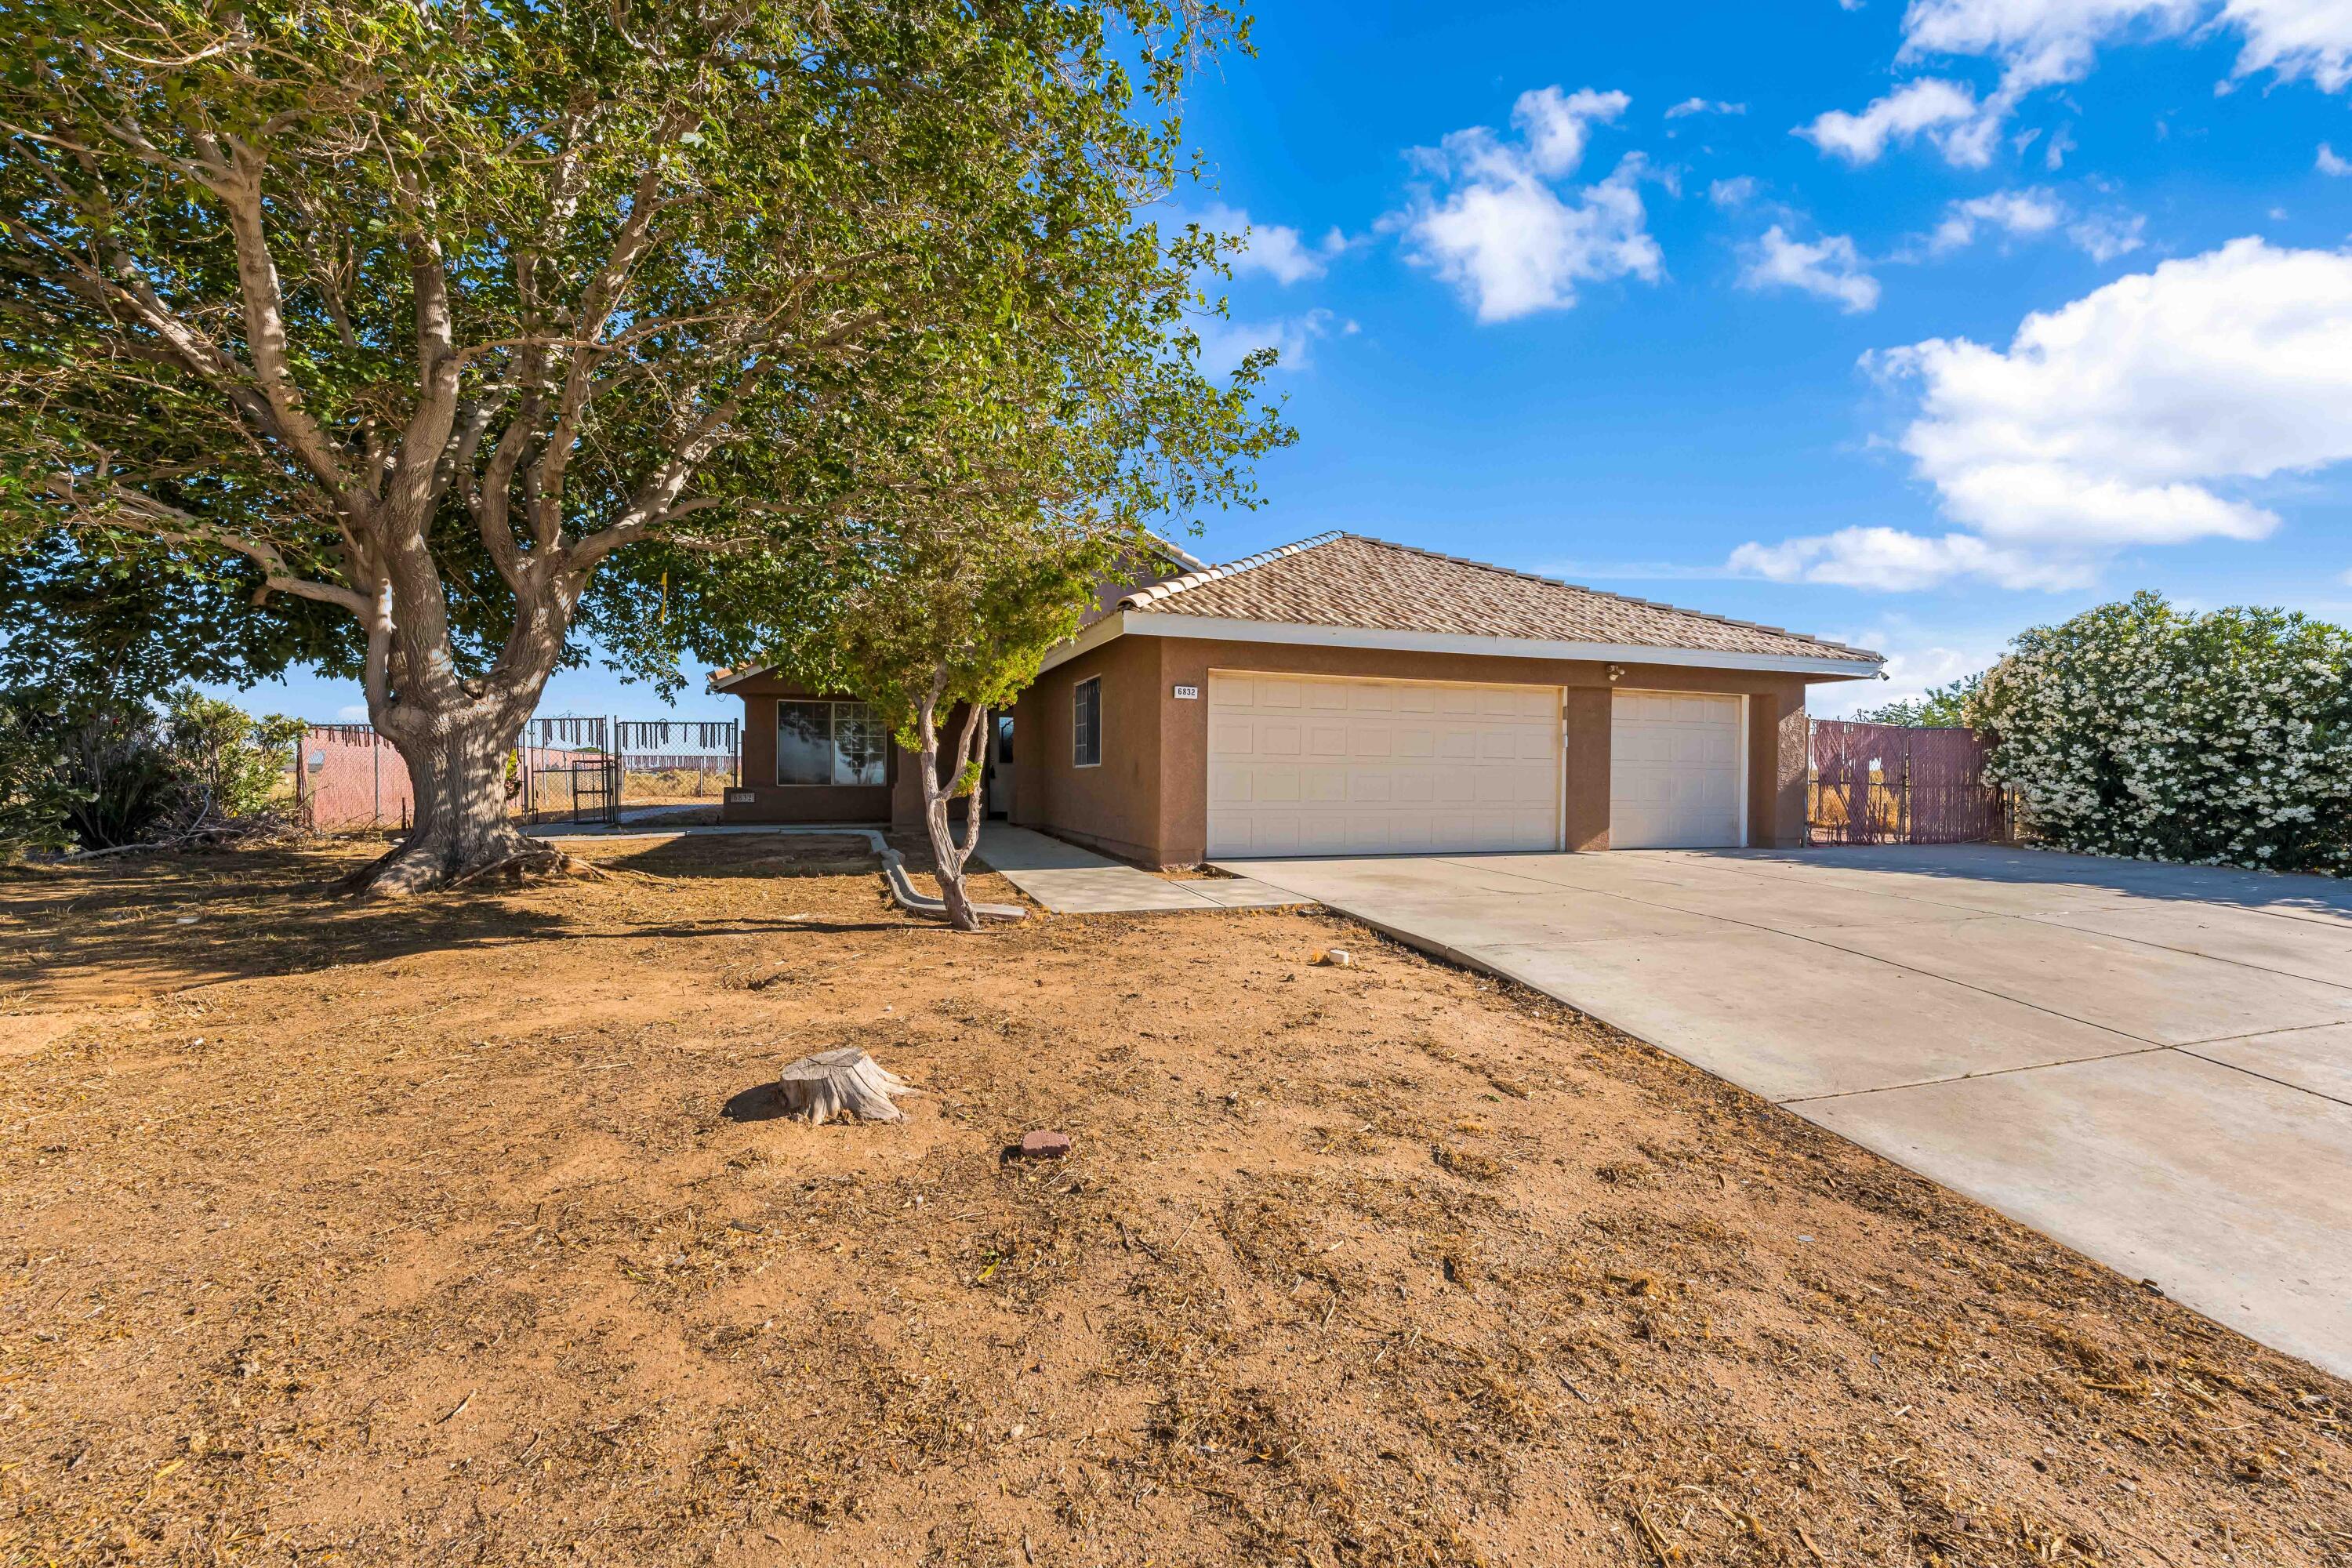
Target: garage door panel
pixel 1412 768
pixel 1674 771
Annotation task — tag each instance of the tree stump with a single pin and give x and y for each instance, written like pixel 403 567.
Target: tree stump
pixel 847 1082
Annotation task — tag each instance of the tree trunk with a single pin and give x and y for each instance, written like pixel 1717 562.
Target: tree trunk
pixel 945 853
pixel 456 775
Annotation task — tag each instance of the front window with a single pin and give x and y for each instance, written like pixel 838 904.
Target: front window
pixel 829 743
pixel 1086 726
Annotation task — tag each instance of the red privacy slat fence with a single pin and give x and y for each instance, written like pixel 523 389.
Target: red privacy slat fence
pixel 1891 784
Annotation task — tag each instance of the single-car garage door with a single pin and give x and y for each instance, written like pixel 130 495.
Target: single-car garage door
pixel 1306 765
pixel 1675 772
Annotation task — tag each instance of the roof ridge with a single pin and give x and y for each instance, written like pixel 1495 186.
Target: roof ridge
pixel 1174 585
pixel 1605 593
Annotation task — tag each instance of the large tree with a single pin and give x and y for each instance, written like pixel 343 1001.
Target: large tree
pixel 451 318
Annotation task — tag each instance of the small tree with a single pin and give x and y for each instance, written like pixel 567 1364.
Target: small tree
pixel 955 613
pixel 1944 707
pixel 230 764
pixel 2219 739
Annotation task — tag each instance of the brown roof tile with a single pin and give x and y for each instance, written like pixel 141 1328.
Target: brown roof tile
pixel 1348 580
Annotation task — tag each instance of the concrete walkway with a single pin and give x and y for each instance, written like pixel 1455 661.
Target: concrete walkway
pixel 2152 1064
pixel 1069 880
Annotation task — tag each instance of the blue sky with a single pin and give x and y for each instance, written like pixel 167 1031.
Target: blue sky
pixel 1722 305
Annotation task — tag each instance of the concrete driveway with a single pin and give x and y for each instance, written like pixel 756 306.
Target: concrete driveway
pixel 2152 1064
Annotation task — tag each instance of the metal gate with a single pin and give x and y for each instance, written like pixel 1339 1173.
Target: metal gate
pixel 568 770
pixel 1895 784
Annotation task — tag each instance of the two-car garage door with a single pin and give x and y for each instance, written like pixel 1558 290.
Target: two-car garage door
pixel 1308 765
pixel 1300 766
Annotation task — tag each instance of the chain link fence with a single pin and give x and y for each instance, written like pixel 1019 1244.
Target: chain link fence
pixel 566 768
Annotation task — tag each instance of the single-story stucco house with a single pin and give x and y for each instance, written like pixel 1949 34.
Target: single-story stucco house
pixel 1345 695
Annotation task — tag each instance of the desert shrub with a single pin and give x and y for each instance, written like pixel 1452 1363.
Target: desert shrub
pixel 104 772
pixel 230 765
pixel 2218 739
pixel 113 758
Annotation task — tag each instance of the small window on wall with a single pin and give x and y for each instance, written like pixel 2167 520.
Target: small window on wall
pixel 829 743
pixel 1004 737
pixel 1087 723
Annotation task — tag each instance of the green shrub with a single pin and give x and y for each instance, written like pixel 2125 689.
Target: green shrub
pixel 103 772
pixel 2220 739
pixel 35 794
pixel 114 760
pixel 227 764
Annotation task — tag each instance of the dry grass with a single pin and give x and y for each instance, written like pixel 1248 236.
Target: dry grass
pixel 456 1232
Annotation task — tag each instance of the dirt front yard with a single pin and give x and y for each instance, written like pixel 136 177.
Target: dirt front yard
pixel 463 1231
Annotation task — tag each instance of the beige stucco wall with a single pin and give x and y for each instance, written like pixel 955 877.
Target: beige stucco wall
pixel 1148 800
pixel 1115 806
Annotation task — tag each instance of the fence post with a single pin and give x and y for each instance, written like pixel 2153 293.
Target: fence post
pixel 1910 823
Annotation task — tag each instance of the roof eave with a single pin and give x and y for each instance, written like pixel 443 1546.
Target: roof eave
pixel 728 681
pixel 1228 629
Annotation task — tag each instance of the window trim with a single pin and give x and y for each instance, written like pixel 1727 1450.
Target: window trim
pixel 832 706
pixel 1079 735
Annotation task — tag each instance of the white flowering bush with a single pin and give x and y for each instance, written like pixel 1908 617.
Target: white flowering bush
pixel 2137 729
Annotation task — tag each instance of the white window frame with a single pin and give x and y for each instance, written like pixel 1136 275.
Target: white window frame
pixel 1081 732
pixel 833 706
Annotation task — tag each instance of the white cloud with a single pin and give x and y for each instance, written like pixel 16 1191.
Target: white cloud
pixel 1945 112
pixel 1504 235
pixel 1829 268
pixel 1912 670
pixel 352 713
pixel 2103 236
pixel 2046 43
pixel 2127 418
pixel 1272 248
pixel 2042 43
pixel 2296 39
pixel 1704 106
pixel 1736 191
pixel 1557 126
pixel 1224 343
pixel 2030 213
pixel 1887 560
pixel 2112 421
pixel 2025 212
pixel 2331 162
pixel 2062 141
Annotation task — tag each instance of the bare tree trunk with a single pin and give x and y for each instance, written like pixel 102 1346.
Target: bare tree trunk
pixel 454 735
pixel 945 851
pixel 456 775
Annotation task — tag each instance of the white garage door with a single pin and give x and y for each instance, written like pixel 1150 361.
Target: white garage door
pixel 1673 771
pixel 1300 766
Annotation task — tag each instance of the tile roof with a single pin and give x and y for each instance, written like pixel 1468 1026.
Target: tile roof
pixel 1370 584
